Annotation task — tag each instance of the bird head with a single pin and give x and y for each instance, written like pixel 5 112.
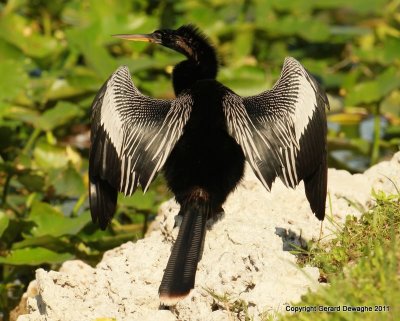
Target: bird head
pixel 187 40
pixel 201 63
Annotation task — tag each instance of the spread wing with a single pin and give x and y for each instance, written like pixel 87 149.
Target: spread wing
pixel 283 132
pixel 131 138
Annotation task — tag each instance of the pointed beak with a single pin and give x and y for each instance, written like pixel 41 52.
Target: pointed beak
pixel 152 37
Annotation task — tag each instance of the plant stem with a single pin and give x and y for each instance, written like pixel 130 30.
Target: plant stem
pixel 31 140
pixel 377 135
pixel 5 189
pixel 78 205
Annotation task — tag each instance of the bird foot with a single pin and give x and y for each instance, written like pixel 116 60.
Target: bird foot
pixel 178 220
pixel 215 216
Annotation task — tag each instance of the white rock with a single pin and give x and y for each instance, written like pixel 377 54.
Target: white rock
pixel 245 256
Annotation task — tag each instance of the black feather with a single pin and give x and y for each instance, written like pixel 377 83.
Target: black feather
pixel 277 140
pixel 179 275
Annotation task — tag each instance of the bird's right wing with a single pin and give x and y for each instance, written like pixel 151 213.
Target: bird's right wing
pixel 131 137
pixel 282 132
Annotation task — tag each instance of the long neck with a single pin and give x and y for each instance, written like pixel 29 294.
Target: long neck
pixel 201 64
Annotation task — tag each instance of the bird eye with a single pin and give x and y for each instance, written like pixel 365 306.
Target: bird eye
pixel 158 35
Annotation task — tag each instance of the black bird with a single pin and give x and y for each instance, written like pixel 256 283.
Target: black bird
pixel 201 140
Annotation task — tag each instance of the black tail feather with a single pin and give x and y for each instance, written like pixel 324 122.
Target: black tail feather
pixel 103 201
pixel 316 189
pixel 179 275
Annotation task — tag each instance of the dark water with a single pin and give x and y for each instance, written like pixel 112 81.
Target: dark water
pixel 356 150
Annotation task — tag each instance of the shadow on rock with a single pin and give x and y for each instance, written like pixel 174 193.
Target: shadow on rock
pixel 291 240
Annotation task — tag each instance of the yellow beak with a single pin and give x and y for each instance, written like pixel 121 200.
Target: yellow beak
pixel 141 37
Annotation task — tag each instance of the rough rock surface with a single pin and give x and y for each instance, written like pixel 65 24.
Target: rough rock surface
pixel 245 256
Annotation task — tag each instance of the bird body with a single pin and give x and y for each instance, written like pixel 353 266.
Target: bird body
pixel 203 168
pixel 201 140
pixel 205 155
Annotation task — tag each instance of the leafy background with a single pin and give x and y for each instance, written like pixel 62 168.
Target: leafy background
pixel 55 55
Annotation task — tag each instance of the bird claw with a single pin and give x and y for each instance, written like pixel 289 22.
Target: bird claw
pixel 178 220
pixel 167 228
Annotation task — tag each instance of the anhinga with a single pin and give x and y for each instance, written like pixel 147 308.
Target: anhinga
pixel 201 140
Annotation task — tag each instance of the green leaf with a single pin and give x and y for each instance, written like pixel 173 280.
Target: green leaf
pixel 13 79
pixel 50 242
pixel 390 105
pixel 69 183
pixel 385 53
pixel 16 30
pixel 35 256
pixel 50 221
pixel 372 91
pixel 26 115
pixel 13 5
pixel 8 51
pixel 358 6
pixel 32 181
pixel 309 29
pixel 81 78
pixel 61 114
pixel 4 221
pixel 140 200
pixel 95 54
pixel 245 80
pixel 61 89
pixel 243 43
pixel 47 156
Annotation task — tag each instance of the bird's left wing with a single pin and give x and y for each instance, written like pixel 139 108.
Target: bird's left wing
pixel 282 132
pixel 131 137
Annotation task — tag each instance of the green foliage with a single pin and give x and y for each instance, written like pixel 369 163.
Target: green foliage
pixel 361 264
pixel 55 55
pixel 34 256
pixel 356 238
pixel 236 309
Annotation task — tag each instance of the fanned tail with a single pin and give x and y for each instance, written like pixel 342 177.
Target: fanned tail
pixel 179 275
